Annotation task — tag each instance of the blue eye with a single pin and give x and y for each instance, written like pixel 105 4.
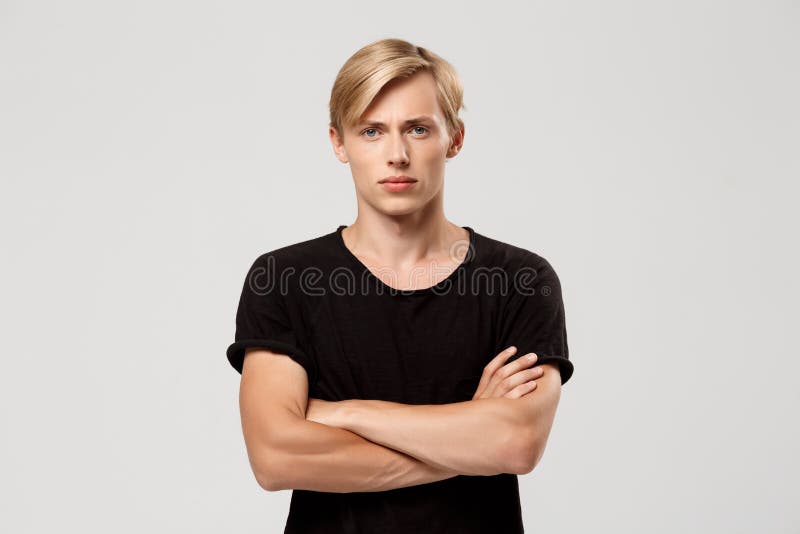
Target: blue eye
pixel 423 132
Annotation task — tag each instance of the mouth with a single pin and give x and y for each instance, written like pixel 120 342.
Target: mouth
pixel 397 180
pixel 397 187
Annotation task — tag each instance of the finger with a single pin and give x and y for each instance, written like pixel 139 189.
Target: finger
pixel 501 358
pixel 523 362
pixel 521 390
pixel 518 378
pixel 492 366
pixel 508 371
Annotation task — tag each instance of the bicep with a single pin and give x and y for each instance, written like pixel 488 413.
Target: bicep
pixel 273 393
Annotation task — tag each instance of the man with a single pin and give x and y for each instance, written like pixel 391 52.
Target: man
pixel 400 372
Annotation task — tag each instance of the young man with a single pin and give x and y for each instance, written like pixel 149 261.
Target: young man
pixel 400 372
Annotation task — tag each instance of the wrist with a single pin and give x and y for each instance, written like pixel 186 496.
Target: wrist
pixel 344 413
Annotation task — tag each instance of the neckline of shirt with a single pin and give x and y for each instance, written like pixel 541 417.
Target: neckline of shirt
pixel 450 279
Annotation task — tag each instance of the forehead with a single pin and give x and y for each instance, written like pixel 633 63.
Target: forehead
pixel 406 98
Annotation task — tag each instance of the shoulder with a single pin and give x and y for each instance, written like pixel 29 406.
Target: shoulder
pixel 299 255
pixel 285 266
pixel 513 259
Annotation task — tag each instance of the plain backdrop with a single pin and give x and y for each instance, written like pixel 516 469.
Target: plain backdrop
pixel 150 151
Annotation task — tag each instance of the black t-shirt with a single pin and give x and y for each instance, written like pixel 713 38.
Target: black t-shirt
pixel 359 338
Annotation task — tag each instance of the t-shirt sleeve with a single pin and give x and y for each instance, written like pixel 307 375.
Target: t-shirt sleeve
pixel 262 319
pixel 533 317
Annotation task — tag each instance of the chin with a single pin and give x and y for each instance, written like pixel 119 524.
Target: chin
pixel 401 210
pixel 397 207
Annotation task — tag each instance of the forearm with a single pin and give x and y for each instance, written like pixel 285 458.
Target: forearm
pixel 477 437
pixel 313 456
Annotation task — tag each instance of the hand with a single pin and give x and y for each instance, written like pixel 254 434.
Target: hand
pixel 512 380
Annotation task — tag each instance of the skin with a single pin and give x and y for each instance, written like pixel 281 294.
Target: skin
pixel 404 234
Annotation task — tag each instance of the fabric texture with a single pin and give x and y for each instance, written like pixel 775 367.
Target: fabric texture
pixel 359 338
pixel 262 321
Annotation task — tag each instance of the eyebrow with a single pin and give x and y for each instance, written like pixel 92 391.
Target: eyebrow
pixel 421 118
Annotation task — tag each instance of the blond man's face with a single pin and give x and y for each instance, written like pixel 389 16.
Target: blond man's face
pixel 402 133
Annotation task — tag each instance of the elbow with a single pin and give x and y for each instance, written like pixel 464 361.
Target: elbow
pixel 270 470
pixel 268 481
pixel 529 451
pixel 271 458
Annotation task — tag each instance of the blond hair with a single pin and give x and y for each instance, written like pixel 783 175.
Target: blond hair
pixel 366 72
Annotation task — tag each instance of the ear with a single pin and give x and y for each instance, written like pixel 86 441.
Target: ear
pixel 456 142
pixel 338 144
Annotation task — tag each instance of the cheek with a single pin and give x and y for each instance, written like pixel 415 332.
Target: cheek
pixel 433 152
pixel 433 161
pixel 367 159
pixel 360 167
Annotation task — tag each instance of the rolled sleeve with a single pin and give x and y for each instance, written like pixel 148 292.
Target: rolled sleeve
pixel 262 320
pixel 534 317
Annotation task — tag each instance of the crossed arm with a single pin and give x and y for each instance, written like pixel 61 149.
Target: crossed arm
pixel 294 442
pixel 478 437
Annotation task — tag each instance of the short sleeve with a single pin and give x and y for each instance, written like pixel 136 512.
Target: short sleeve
pixel 533 318
pixel 262 319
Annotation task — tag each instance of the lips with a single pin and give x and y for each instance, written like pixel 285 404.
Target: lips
pixel 398 180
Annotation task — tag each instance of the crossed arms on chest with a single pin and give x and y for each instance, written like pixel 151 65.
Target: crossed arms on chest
pixel 294 442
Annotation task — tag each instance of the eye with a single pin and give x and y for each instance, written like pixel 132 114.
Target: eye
pixel 423 128
pixel 369 130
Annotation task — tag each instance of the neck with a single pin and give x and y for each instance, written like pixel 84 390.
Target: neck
pixel 404 240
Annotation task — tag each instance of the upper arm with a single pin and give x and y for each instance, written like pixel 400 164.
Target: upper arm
pixel 537 411
pixel 273 393
pixel 533 320
pixel 276 370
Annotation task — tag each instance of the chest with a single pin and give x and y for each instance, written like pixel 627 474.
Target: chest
pixel 419 349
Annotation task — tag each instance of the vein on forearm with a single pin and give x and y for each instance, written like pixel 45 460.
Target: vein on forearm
pixel 312 456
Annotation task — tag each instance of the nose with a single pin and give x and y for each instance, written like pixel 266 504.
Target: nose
pixel 398 155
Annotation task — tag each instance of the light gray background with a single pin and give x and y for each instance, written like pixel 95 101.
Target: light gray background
pixel 149 151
